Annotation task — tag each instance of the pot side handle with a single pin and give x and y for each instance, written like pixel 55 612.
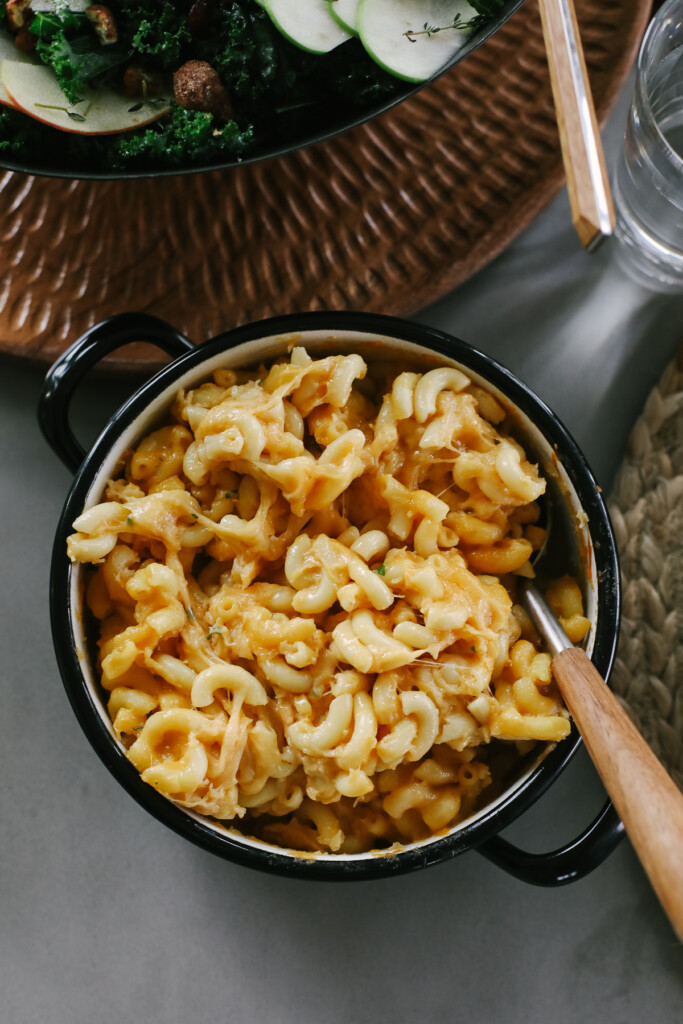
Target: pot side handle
pixel 66 373
pixel 564 865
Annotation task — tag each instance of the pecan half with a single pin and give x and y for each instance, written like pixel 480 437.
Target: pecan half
pixel 103 22
pixel 19 13
pixel 197 86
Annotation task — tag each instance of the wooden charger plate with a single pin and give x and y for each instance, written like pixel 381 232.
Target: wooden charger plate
pixel 386 218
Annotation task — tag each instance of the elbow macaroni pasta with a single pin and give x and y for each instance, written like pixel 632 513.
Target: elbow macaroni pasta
pixel 305 587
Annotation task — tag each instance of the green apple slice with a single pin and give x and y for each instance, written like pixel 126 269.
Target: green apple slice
pixel 33 88
pixel 307 23
pixel 345 12
pixel 386 28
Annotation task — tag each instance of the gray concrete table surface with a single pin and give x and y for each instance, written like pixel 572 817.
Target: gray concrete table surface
pixel 107 916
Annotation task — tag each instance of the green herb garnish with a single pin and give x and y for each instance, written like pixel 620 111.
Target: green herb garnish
pixel 431 30
pixel 380 570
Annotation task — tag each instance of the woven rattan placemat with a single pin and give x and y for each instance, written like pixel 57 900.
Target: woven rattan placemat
pixel 647 512
pixel 386 218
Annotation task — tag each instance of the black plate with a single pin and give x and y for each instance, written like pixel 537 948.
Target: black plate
pixel 55 166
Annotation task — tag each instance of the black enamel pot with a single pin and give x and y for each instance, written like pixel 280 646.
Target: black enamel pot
pixel 580 521
pixel 52 162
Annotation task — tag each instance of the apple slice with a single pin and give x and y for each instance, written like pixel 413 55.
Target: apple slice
pixel 395 34
pixel 8 51
pixel 33 88
pixel 345 12
pixel 306 23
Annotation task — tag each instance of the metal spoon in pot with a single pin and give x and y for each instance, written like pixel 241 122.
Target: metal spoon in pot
pixel 647 800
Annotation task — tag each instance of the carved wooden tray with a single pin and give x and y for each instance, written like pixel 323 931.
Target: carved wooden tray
pixel 387 217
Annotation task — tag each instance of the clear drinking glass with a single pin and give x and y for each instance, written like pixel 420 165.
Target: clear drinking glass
pixel 648 182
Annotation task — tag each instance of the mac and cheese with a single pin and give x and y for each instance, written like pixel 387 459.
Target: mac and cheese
pixel 305 584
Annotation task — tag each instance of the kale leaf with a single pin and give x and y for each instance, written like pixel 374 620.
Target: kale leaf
pixel 18 138
pixel 183 137
pixel 47 24
pixel 247 51
pixel 74 54
pixel 155 28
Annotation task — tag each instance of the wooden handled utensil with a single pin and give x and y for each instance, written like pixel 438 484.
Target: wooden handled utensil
pixel 646 799
pixel 587 182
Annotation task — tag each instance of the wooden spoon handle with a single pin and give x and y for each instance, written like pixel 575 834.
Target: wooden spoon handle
pixel 584 161
pixel 647 800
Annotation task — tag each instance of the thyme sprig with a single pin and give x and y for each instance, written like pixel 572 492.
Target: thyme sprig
pixel 73 114
pixel 431 30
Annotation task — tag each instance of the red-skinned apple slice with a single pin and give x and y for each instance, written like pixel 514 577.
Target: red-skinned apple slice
pixel 33 89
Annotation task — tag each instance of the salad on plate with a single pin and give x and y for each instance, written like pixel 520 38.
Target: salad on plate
pixel 136 85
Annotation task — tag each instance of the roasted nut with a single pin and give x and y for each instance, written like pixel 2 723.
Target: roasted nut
pixel 197 86
pixel 138 83
pixel 19 13
pixel 25 40
pixel 103 22
pixel 199 18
